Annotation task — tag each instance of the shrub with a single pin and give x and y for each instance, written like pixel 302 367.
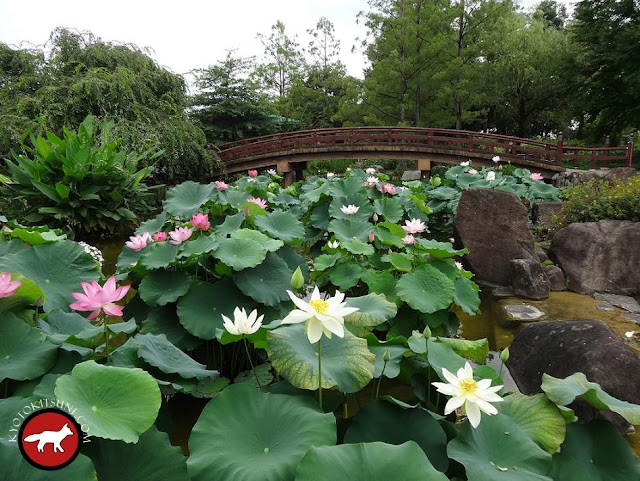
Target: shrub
pixel 83 183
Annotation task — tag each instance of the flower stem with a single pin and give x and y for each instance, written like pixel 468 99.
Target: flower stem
pixel 380 380
pixel 320 374
pixel 253 369
pixel 106 337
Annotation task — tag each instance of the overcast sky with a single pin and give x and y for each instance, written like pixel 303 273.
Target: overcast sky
pixel 189 34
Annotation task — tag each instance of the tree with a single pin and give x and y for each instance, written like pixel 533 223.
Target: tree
pixel 552 13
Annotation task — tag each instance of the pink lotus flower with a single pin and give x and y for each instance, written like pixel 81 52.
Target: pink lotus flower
pixel 200 221
pixel 388 189
pixel 408 240
pixel 253 173
pixel 414 226
pixel 138 242
pixel 536 176
pixel 272 172
pixel 97 299
pixel 258 201
pixel 221 185
pixel 7 286
pixel 371 237
pixel 180 235
pixel 160 236
pixel 473 171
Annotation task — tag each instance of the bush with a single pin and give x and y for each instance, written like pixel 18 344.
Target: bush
pixel 600 199
pixel 82 183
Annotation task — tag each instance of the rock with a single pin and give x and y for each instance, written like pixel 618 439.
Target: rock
pixel 523 312
pixel 632 317
pixel 623 302
pixel 494 226
pixel 562 348
pixel 543 213
pixel 542 254
pixel 408 175
pixel 599 256
pixel 578 176
pixel 556 278
pixel 528 279
pixel 606 307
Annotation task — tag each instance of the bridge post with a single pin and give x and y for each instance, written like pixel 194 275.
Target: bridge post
pixel 559 148
pixel 299 170
pixel 424 166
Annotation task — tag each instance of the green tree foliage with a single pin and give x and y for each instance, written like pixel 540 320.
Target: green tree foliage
pixel 79 75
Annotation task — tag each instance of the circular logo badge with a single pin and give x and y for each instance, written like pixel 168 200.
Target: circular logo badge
pixel 50 439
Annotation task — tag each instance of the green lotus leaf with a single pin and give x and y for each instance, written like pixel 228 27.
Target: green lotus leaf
pixel 444 193
pixel 199 246
pixel 153 225
pixel 426 289
pixel 158 255
pixel 203 388
pixel 347 275
pixel 152 458
pixel 381 282
pixel 15 467
pixel 390 208
pixel 392 424
pixel 324 261
pixel 231 224
pixel 373 310
pixel 394 347
pixel 358 247
pixel 441 355
pixel 115 402
pixel 594 452
pixel 35 237
pixel 160 353
pixel 263 371
pixel 266 283
pixel 477 350
pixel 281 225
pixel 359 200
pixel 538 417
pixel 234 198
pixel 401 261
pixel 200 310
pixel 24 351
pixel 185 199
pixel 347 186
pixel 346 229
pixel 8 409
pixel 319 217
pixel 564 391
pixel 57 268
pixel 240 253
pixel 294 260
pixel 540 190
pixel 499 449
pixel 466 295
pixel 367 462
pixel 244 434
pixel 161 287
pixel 265 241
pixel 346 362
pixel 165 321
pixel 26 295
pixel 127 259
pixel 389 237
pixel 440 250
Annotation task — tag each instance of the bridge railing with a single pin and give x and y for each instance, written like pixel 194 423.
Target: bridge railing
pixel 454 141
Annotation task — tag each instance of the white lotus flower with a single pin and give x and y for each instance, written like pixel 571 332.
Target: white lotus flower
pixel 372 180
pixel 473 171
pixel 414 226
pixel 333 244
pixel 496 159
pixel 464 164
pixel 474 396
pixel 242 324
pixel 459 265
pixel 272 172
pixel 330 174
pixel 322 316
pixel 491 176
pixel 370 171
pixel 350 209
pixel 629 334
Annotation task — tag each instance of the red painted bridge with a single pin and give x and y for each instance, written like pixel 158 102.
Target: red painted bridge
pixel 289 152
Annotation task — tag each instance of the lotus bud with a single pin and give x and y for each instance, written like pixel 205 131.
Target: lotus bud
pixel 504 355
pixel 426 333
pixel 375 217
pixel 436 181
pixel 387 356
pixel 297 279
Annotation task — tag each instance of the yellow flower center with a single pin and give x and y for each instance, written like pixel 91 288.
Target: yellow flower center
pixel 468 385
pixel 320 305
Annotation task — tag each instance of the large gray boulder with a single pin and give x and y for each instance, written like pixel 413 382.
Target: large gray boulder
pixel 528 279
pixel 564 347
pixel 580 176
pixel 494 226
pixel 601 256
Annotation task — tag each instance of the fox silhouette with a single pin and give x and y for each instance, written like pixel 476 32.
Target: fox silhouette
pixel 53 437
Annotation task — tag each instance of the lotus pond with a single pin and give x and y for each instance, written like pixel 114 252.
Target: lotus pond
pixel 251 332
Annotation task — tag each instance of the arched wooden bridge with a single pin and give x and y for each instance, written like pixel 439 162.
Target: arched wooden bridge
pixel 289 152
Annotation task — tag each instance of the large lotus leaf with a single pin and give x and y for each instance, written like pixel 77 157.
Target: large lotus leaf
pixel 426 289
pixel 231 224
pixel 127 259
pixel 594 452
pixel 564 391
pixel 394 347
pixel 158 255
pixel 347 275
pixel 441 355
pixel 240 253
pixel 367 462
pixel 477 350
pixel 15 467
pixel 324 261
pixel 161 287
pixel 200 310
pixel 57 268
pixel 266 283
pixel 247 435
pixel 499 449
pixel 466 295
pixel 69 329
pixel 346 362
pixel 347 186
pixel 159 352
pixel 199 246
pixel 381 282
pixel 35 236
pixel 185 199
pixel 390 208
pixel 392 424
pixel 319 217
pixel 373 310
pixel 359 200
pixel 358 247
pixel 26 295
pixel 165 321
pixel 538 417
pixel 9 407
pixel 444 193
pixel 390 234
pixel 440 250
pixel 399 260
pixel 281 225
pixel 153 225
pixel 265 241
pixel 152 458
pixel 24 351
pixel 115 402
pixel 313 192
pixel 540 190
pixel 345 229
pixel 294 260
